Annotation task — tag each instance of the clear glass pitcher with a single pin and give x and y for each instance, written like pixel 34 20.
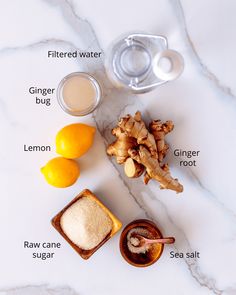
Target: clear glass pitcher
pixel 141 62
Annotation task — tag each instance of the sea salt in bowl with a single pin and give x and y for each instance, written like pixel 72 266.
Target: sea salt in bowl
pixel 141 259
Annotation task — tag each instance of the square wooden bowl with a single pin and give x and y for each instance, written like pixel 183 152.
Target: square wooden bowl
pixel 85 254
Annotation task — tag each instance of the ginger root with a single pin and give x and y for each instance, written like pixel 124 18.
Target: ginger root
pixel 132 168
pixel 154 170
pixel 159 131
pixel 135 127
pixel 140 148
pixel 121 146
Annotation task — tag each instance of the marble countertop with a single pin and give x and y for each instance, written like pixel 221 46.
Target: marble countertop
pixel 202 105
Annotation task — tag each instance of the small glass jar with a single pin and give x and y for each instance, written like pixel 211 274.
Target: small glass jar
pixel 79 94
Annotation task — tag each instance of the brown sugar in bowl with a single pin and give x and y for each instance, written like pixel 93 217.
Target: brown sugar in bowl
pixel 141 259
pixel 85 254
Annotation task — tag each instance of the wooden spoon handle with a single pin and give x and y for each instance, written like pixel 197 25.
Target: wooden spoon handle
pixel 168 240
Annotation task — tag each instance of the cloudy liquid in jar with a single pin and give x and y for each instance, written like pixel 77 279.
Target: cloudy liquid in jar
pixel 79 93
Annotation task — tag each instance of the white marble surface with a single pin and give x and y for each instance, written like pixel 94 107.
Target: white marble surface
pixel 202 105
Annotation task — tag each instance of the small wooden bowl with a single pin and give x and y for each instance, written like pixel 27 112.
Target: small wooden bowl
pixel 85 254
pixel 142 259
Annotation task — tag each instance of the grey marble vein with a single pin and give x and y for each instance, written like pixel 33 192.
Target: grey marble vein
pixel 207 192
pixel 210 194
pixel 208 74
pixel 40 43
pixel 178 8
pixel 38 290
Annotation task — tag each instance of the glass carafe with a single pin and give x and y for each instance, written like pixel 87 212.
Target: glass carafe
pixel 141 62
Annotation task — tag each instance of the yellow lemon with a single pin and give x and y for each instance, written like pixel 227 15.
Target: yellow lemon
pixel 74 140
pixel 61 172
